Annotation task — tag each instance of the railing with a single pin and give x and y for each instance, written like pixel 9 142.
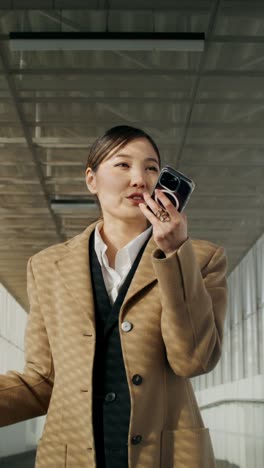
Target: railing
pixel 230 401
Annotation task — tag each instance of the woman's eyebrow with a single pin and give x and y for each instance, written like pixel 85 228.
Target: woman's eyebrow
pixel 123 155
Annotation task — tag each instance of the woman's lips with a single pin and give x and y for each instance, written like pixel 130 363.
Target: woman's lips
pixel 136 201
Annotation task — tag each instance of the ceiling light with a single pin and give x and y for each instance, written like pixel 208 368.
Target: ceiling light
pixel 107 41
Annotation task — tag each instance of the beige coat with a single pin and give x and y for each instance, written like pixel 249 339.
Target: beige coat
pixel 177 308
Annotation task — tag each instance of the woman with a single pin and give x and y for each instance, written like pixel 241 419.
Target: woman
pixel 121 316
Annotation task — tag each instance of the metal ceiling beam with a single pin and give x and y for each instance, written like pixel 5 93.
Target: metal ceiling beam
pixel 217 38
pixel 127 72
pixel 137 100
pixel 95 71
pixel 80 142
pixel 106 99
pixel 145 85
pixel 253 8
pixel 50 5
pixel 28 139
pixel 154 124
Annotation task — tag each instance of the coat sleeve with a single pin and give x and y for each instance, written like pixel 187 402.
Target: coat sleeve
pixel 193 291
pixel 27 395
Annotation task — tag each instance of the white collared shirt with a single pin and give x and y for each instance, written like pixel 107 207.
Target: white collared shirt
pixel 124 260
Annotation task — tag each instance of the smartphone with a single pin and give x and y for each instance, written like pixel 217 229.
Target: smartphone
pixel 176 186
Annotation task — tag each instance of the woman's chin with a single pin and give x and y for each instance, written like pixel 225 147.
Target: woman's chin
pixel 133 213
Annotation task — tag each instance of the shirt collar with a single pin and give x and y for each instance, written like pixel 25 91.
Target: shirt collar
pixel 132 248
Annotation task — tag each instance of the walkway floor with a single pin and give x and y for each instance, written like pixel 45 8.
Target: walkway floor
pixel 22 460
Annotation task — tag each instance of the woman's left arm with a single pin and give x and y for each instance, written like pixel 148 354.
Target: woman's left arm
pixel 193 297
pixel 193 292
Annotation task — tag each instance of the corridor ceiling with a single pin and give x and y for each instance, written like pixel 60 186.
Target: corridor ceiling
pixel 204 109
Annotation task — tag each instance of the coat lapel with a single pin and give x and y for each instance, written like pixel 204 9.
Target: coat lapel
pixel 144 274
pixel 74 268
pixel 75 271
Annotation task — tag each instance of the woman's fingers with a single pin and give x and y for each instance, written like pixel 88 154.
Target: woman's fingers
pixel 150 202
pixel 166 202
pixel 168 205
pixel 149 215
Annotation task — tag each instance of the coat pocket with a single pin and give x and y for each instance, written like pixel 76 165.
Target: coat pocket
pixel 187 448
pixel 50 454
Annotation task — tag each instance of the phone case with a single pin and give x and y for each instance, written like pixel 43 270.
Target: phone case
pixel 176 186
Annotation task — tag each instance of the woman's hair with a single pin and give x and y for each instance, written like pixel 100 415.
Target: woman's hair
pixel 115 138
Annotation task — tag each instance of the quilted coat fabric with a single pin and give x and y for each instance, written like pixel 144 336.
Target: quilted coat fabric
pixel 177 306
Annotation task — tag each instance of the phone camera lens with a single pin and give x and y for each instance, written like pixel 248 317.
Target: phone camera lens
pixel 169 181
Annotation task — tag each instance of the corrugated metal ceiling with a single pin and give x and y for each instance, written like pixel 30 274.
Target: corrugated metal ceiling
pixel 205 110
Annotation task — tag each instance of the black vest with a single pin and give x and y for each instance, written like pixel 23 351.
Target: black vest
pixel 111 399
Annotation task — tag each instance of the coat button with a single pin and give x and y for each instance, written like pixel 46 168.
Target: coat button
pixel 111 396
pixel 136 439
pixel 137 379
pixel 126 326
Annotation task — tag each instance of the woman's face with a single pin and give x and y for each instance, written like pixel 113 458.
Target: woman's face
pixel 132 169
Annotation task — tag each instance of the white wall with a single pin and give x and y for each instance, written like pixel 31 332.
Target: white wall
pixel 235 389
pixel 23 436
